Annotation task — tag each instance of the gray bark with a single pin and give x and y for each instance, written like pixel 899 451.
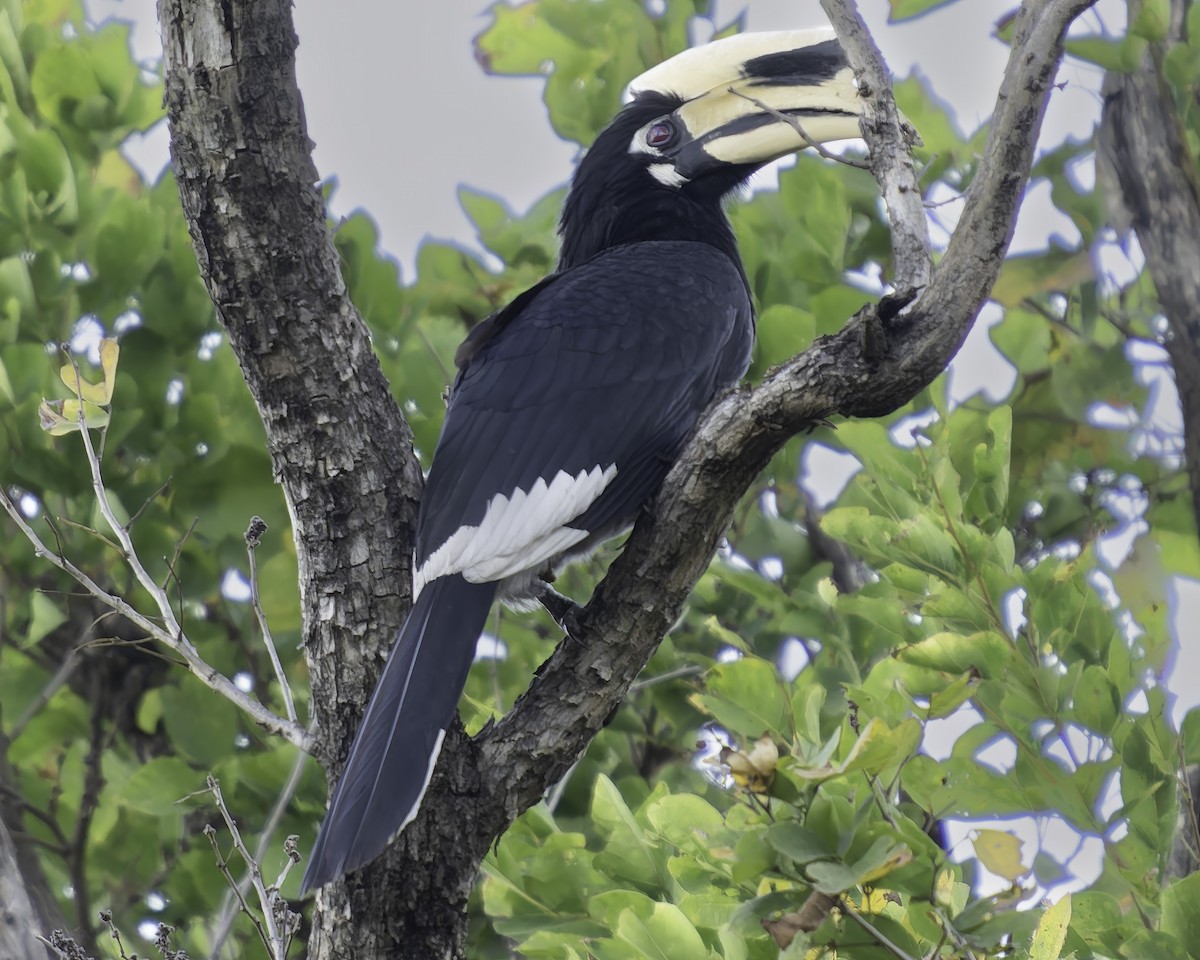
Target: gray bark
pixel 28 909
pixel 1141 142
pixel 1157 195
pixel 340 449
pixel 343 453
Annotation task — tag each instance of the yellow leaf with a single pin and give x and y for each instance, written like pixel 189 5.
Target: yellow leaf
pixel 900 857
pixel 943 888
pixel 1051 932
pixel 110 351
pixel 1000 852
pixel 98 393
pixel 60 417
pixel 880 901
pixel 764 755
pixel 755 770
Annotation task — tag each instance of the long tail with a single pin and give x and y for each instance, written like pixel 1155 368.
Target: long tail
pixel 398 742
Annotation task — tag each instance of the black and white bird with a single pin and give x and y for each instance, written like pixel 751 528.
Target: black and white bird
pixel 572 402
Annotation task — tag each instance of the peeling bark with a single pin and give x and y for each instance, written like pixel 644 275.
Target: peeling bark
pixel 1142 143
pixel 1142 148
pixel 28 908
pixel 340 449
pixel 343 453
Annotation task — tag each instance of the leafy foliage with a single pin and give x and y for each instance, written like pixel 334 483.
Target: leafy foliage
pixel 1002 659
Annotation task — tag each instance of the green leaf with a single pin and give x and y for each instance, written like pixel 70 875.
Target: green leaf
pixel 6 387
pixel 1120 55
pixel 907 9
pixel 748 698
pixel 986 652
pixel 1030 275
pixel 783 331
pixel 685 820
pixel 627 852
pixel 129 243
pixel 664 934
pixel 62 79
pixel 942 703
pixel 159 785
pixel 202 725
pixel 1097 702
pixel 1156 944
pixel 1189 735
pixel 1181 911
pixel 797 843
pixel 44 615
pixel 1024 339
pixel 1051 932
pixel 16 291
pixel 832 877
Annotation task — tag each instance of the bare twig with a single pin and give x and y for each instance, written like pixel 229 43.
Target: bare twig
pixel 274 934
pixel 554 798
pixel 896 951
pixel 64 946
pixel 229 907
pixel 690 671
pixel 207 674
pixel 149 500
pixel 794 123
pixel 253 537
pixel 107 919
pixel 128 552
pixel 888 155
pixel 56 682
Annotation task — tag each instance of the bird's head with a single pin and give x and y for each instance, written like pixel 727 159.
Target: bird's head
pixel 697 126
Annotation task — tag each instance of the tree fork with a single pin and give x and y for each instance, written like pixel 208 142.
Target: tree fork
pixel 343 453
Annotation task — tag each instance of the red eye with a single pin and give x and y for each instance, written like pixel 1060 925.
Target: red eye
pixel 660 134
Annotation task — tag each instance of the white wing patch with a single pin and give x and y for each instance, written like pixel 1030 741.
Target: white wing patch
pixel 518 530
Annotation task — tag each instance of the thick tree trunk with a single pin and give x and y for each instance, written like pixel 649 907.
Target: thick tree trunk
pixel 343 453
pixel 340 449
pixel 1141 140
pixel 28 907
pixel 20 924
pixel 1158 196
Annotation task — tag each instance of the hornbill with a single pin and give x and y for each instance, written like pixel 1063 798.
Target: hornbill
pixel 572 402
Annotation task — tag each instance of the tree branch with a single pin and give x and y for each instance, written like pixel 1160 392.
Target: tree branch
pixel 340 449
pixel 339 446
pixel 890 160
pixel 1142 142
pixel 877 363
pixel 343 453
pixel 171 636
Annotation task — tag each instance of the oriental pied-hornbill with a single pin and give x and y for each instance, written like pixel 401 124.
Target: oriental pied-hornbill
pixel 572 402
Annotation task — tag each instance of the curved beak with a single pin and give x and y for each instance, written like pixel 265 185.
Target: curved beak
pixel 752 98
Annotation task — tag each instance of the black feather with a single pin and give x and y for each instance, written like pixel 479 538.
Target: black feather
pixel 389 764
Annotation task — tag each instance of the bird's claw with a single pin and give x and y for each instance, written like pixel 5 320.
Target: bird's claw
pixel 564 610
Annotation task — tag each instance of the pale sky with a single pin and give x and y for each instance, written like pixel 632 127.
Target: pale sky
pixel 402 115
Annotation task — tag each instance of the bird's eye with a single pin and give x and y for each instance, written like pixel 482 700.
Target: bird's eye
pixel 660 134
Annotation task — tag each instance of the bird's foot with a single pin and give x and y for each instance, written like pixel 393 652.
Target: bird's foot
pixel 564 610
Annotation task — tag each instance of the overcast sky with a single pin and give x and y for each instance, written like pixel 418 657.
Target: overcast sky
pixel 402 115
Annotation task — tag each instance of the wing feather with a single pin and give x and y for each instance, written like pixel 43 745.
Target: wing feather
pixel 606 367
